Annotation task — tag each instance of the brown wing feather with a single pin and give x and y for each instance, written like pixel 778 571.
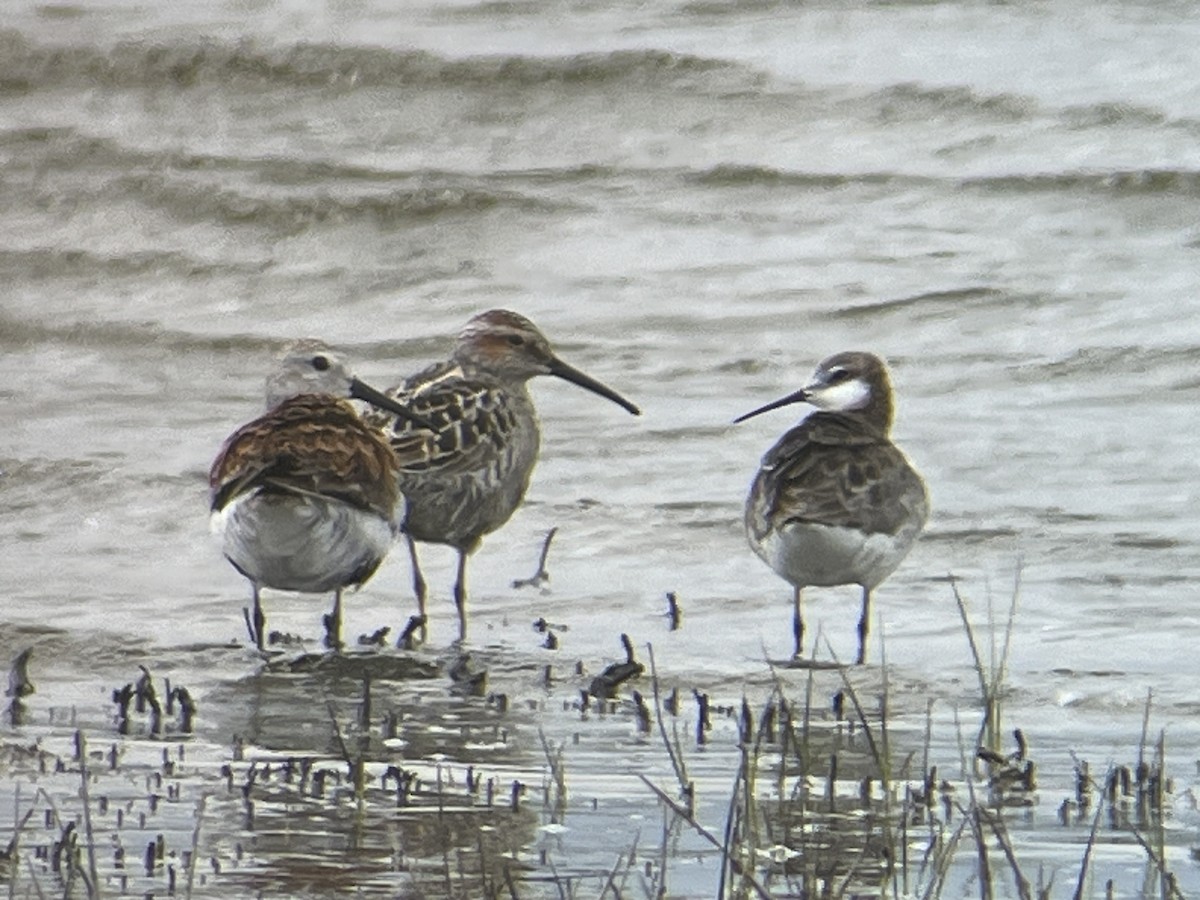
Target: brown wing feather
pixel 309 444
pixel 474 423
pixel 831 470
pixel 465 479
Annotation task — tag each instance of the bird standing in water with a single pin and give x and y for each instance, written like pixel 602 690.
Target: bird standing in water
pixel 486 437
pixel 835 501
pixel 304 498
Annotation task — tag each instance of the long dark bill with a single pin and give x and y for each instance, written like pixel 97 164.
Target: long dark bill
pixel 573 375
pixel 361 391
pixel 798 397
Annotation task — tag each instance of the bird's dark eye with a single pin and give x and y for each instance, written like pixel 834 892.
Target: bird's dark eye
pixel 837 376
pixel 320 363
pixel 516 340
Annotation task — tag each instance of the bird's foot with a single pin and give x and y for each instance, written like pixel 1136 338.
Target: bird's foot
pixel 413 634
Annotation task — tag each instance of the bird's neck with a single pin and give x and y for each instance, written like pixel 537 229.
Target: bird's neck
pixel 875 417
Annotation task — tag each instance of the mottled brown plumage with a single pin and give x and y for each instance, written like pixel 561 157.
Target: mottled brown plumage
pixel 305 497
pixel 309 445
pixel 835 469
pixel 475 469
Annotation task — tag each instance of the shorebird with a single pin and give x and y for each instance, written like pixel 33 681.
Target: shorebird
pixel 835 501
pixel 486 440
pixel 305 498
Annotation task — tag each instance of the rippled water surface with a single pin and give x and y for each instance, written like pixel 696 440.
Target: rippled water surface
pixel 696 201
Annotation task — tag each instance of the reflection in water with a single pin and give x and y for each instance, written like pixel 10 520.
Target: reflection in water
pixel 681 197
pixel 368 765
pixel 375 772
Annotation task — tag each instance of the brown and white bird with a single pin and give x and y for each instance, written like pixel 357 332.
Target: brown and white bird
pixel 835 501
pixel 305 498
pixel 486 441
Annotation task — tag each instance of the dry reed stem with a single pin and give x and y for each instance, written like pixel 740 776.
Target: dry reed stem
pixel 687 817
pixel 12 852
pixel 1085 863
pixel 942 868
pixel 1141 758
pixel 33 878
pixel 876 752
pixel 996 823
pixel 191 870
pixel 1169 888
pixel 981 850
pixel 91 878
pixel 676 757
pixel 558 775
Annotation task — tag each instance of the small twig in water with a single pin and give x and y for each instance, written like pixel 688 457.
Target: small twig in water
pixel 541 576
pixel 377 638
pixel 674 614
pixel 703 724
pixel 642 711
pixel 187 709
pixel 19 684
pixel 604 686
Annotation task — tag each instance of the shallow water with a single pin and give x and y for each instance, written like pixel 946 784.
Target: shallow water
pixel 696 201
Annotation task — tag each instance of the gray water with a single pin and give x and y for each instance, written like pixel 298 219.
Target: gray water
pixel 696 201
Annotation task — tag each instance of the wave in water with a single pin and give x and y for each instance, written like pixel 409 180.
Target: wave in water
pixel 921 103
pixel 1119 182
pixel 27 66
pixel 297 212
pixel 930 304
pixel 917 101
pixel 1113 364
pixel 282 194
pixel 288 194
pixel 22 334
pixel 249 64
pixel 66 148
pixel 43 263
pixel 734 175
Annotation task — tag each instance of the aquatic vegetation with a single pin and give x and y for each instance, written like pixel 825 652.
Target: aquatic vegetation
pixel 497 774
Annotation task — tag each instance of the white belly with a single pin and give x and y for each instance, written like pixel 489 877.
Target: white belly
pixel 304 544
pixel 822 555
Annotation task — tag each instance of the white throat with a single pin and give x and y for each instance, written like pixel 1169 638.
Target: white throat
pixel 842 397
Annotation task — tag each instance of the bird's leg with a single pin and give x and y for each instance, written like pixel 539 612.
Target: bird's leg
pixel 259 624
pixel 333 623
pixel 460 594
pixel 418 581
pixel 798 626
pixel 864 624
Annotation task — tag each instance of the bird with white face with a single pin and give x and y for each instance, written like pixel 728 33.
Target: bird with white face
pixel 304 498
pixel 835 501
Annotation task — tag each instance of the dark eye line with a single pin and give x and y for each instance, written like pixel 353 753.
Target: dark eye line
pixel 516 340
